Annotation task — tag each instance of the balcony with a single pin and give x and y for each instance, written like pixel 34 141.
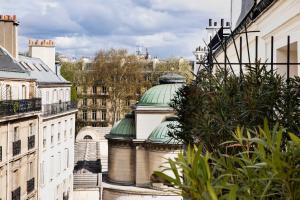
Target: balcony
pixel 30 185
pixel 16 147
pixel 31 142
pixel 16 194
pixel 56 108
pixel 13 107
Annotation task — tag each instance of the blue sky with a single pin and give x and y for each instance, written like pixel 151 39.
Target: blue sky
pixel 168 28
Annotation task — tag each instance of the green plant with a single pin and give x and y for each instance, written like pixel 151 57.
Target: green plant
pixel 266 166
pixel 210 108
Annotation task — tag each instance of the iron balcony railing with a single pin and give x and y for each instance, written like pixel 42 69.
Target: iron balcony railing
pixel 16 147
pixel 55 108
pixel 30 185
pixel 31 142
pixel 16 194
pixel 12 107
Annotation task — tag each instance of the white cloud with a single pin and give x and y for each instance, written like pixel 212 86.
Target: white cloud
pixel 82 27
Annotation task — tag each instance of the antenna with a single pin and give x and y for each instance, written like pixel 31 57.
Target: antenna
pixel 231 12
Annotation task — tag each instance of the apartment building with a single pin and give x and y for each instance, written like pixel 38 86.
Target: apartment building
pixel 19 122
pixel 266 31
pixel 53 128
pixel 57 122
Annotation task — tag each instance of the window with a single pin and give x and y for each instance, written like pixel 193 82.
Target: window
pixel 54 95
pixel 66 165
pixel 47 97
pixel 42 178
pixel 71 127
pixel 59 163
pixel 67 95
pixel 94 115
pixel 94 89
pixel 31 129
pixel 8 92
pixel 65 130
pixel 61 95
pixel 52 167
pixel 58 131
pixel 94 101
pixel 103 116
pixel 103 102
pixel 23 92
pixel 84 115
pixel 30 170
pixel 16 134
pixel 84 102
pixel 52 134
pixel 44 136
pixel 104 90
pixel 127 102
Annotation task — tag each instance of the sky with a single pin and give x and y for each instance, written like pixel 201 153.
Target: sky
pixel 167 28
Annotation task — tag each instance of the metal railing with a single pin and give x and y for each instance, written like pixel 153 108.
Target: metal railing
pixel 16 147
pixel 31 142
pixel 55 108
pixel 12 107
pixel 30 185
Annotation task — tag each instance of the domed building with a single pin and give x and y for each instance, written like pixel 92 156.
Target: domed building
pixel 139 145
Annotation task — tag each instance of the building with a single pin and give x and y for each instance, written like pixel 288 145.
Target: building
pixel 19 127
pixel 50 152
pixel 266 31
pixel 139 144
pixel 57 122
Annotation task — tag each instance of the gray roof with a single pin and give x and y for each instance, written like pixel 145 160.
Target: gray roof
pixel 10 68
pixel 40 71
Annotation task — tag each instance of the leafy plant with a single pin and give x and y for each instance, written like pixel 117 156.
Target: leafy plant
pixel 266 166
pixel 211 107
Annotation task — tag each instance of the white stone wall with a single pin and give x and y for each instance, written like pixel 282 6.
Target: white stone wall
pixel 146 120
pixel 281 20
pixel 16 88
pixel 52 95
pixel 56 162
pixel 45 53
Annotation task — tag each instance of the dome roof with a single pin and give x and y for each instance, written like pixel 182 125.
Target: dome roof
pixel 161 95
pixel 161 133
pixel 125 128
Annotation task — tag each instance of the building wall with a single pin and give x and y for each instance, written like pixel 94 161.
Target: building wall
pixel 45 53
pixel 121 164
pixel 16 170
pixel 275 22
pixel 56 156
pixel 147 121
pixel 128 195
pixel 18 89
pixel 52 95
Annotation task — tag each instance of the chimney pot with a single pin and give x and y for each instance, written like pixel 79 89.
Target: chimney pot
pixel 222 22
pixel 210 22
pixel 215 23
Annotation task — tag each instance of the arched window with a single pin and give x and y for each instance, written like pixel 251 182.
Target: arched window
pixel 87 137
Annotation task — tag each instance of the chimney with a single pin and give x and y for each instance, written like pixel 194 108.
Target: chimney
pixel 45 50
pixel 210 22
pixel 222 22
pixel 9 34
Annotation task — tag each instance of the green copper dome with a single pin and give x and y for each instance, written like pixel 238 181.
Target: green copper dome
pixel 162 94
pixel 161 133
pixel 125 128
